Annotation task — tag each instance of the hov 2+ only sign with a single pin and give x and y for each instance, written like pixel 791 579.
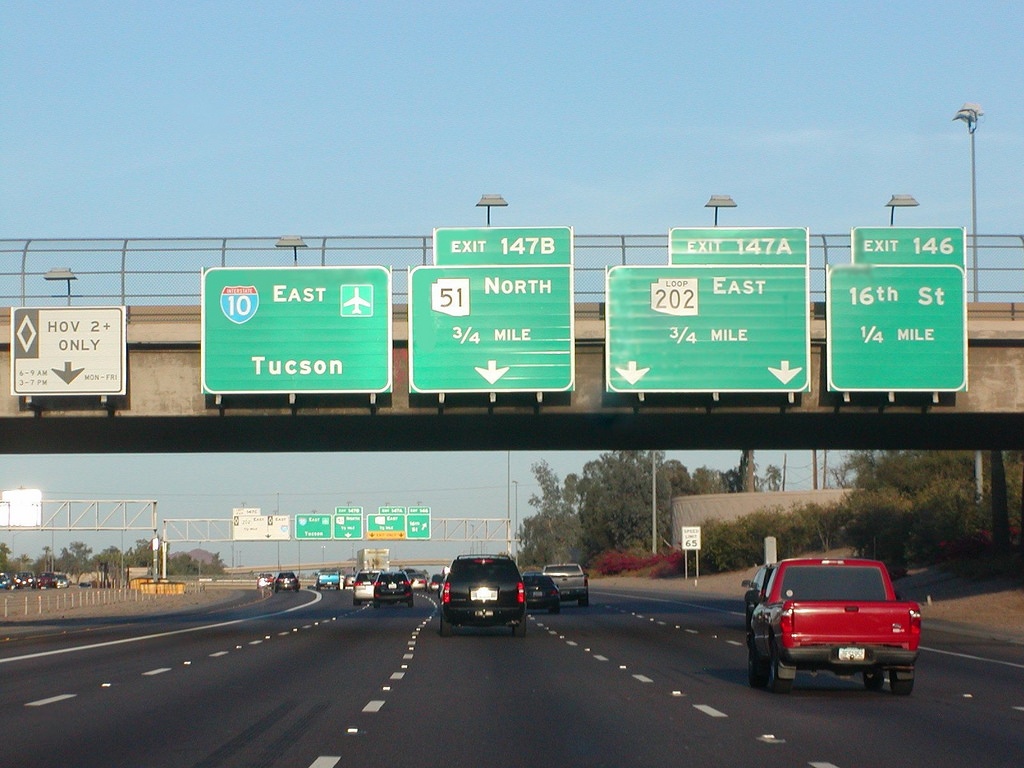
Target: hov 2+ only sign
pixel 296 329
pixel 495 313
pixel 728 314
pixel 68 351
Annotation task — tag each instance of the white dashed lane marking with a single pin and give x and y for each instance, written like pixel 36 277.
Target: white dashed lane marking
pixel 374 706
pixel 51 700
pixel 710 711
pixel 159 671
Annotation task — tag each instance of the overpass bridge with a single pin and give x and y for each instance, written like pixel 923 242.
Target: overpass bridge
pixel 165 409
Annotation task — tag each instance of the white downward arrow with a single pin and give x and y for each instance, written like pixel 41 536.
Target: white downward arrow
pixel 631 373
pixel 492 373
pixel 784 373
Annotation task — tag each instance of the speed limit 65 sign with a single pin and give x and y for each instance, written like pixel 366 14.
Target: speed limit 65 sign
pixel 691 537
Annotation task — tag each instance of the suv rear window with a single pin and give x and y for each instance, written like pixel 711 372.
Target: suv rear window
pixel 484 569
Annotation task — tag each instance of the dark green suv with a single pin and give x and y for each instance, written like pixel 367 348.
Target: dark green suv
pixel 483 591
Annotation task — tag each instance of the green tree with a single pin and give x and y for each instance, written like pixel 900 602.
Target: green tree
pixel 183 564
pixel 615 510
pixel 75 559
pixel 551 535
pixel 911 506
pixel 708 481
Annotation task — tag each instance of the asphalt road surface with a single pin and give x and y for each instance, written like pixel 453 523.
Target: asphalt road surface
pixel 306 680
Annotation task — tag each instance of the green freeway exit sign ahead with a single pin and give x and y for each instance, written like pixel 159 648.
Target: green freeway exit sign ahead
pixel 728 314
pixel 297 329
pixel 495 313
pixel 897 316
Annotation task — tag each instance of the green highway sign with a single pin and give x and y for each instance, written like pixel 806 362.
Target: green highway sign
pixel 312 527
pixel 739 245
pixel 491 329
pixel 296 329
pixel 388 523
pixel 348 523
pixel 417 523
pixel 893 328
pixel 489 246
pixel 688 328
pixel 924 246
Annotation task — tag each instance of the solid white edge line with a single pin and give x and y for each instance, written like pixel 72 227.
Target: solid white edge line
pixel 972 657
pixel 91 646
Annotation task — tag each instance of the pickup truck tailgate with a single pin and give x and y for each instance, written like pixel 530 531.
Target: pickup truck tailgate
pixel 869 623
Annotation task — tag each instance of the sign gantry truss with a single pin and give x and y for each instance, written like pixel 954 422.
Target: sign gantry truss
pixel 96 515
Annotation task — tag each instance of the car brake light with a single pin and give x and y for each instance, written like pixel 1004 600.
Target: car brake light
pixel 446 596
pixel 521 593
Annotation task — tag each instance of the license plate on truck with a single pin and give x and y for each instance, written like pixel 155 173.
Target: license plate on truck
pixel 483 594
pixel 851 654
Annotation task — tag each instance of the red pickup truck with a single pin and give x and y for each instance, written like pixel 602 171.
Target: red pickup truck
pixel 839 615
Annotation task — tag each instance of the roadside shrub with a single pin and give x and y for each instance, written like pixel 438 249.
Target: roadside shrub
pixel 612 562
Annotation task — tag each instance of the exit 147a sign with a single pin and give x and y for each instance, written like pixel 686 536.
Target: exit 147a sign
pixel 729 313
pixel 296 329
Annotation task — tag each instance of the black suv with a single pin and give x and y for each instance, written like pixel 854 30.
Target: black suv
pixel 483 591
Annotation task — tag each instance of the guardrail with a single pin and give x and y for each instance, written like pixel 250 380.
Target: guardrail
pixel 159 271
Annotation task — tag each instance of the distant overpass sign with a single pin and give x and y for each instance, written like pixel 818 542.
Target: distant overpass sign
pixel 388 523
pixel 348 523
pixel 897 316
pixel 68 351
pixel 309 527
pixel 417 523
pixel 296 329
pixel 249 525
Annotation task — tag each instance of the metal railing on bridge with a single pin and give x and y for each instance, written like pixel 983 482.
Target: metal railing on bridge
pixel 158 271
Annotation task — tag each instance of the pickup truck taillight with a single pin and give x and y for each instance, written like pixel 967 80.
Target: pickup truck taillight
pixel 915 621
pixel 446 593
pixel 786 619
pixel 520 593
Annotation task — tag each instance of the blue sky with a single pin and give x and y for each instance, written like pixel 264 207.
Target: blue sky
pixel 262 118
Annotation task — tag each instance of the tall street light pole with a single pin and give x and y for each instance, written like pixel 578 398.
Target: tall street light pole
pixel 970 113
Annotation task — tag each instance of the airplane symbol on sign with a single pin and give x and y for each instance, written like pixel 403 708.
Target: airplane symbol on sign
pixel 354 301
